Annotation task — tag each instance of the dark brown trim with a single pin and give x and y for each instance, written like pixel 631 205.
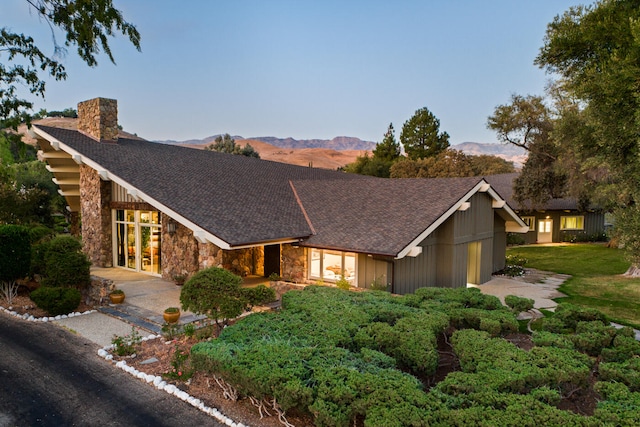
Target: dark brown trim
pixel 138 206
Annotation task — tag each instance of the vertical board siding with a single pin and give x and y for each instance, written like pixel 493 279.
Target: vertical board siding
pixel 120 194
pixel 370 270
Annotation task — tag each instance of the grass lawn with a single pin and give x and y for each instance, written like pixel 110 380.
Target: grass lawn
pixel 596 281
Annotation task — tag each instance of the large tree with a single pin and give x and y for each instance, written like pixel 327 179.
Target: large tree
pixel 86 25
pixel 528 123
pixel 385 154
pixel 595 51
pixel 421 136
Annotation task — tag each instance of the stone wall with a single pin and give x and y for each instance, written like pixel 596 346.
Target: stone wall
pixel 95 211
pixel 98 118
pixel 294 263
pixel 97 293
pixel 244 262
pixel 179 252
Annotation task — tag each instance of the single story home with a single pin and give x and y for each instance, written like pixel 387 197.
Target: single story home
pixel 558 220
pixel 167 210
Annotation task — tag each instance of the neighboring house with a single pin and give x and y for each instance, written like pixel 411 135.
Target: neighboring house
pixel 167 210
pixel 559 220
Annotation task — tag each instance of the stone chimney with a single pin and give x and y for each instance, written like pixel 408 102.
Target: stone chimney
pixel 98 118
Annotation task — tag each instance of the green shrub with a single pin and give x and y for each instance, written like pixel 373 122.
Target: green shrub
pixel 126 345
pixel 592 337
pixel 626 372
pixel 518 304
pixel 570 315
pixel 214 292
pixel 15 259
pixel 343 283
pixel 515 239
pixel 259 295
pixel 549 339
pixel 56 300
pixel 624 347
pixel 621 406
pixel 66 264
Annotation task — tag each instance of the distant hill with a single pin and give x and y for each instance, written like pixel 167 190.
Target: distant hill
pixel 320 153
pixel 338 143
pixel 508 152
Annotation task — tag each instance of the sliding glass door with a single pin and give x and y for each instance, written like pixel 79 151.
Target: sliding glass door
pixel 138 240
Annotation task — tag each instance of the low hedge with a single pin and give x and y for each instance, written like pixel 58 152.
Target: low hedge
pixel 56 300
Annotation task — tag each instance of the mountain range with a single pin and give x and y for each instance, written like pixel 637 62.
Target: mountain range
pixel 347 148
pixel 321 153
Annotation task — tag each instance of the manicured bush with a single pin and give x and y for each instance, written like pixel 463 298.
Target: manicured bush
pixel 15 259
pixel 626 372
pixel 621 406
pixel 624 348
pixel 549 339
pixel 518 304
pixel 592 337
pixel 258 295
pixel 66 264
pixel 570 315
pixel 214 292
pixel 56 300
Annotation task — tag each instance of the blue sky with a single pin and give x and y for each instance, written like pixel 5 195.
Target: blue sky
pixel 307 69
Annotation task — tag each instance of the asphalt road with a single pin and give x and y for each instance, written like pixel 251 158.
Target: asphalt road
pixel 52 377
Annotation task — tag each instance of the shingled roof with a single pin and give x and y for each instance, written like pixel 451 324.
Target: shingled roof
pixel 243 201
pixel 379 216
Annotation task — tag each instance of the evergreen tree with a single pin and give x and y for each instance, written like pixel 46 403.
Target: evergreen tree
pixel 421 136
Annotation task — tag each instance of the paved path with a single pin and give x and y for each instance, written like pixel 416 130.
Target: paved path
pixel 540 286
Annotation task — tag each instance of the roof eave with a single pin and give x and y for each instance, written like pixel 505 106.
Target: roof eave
pixel 202 235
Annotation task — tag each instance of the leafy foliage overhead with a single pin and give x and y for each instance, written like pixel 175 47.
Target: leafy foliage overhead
pixel 86 25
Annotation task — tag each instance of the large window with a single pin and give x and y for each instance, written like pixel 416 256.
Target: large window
pixel 572 222
pixel 138 240
pixel 331 265
pixel 530 221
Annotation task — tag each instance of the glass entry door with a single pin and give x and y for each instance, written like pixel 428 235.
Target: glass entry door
pixel 138 240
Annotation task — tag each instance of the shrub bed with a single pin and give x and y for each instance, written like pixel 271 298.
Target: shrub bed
pixel 355 358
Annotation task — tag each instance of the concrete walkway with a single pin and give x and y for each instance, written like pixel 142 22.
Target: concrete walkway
pixel 540 286
pixel 146 299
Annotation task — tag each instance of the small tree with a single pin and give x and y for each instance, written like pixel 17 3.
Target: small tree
pixel 214 292
pixel 15 259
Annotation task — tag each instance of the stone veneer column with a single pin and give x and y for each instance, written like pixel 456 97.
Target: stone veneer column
pixel 179 252
pixel 294 263
pixel 95 211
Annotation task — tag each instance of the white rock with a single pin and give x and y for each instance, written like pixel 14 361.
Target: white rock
pixel 58 317
pixel 64 316
pixel 169 388
pixel 45 319
pixel 31 319
pixel 228 421
pixel 109 357
pixel 157 380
